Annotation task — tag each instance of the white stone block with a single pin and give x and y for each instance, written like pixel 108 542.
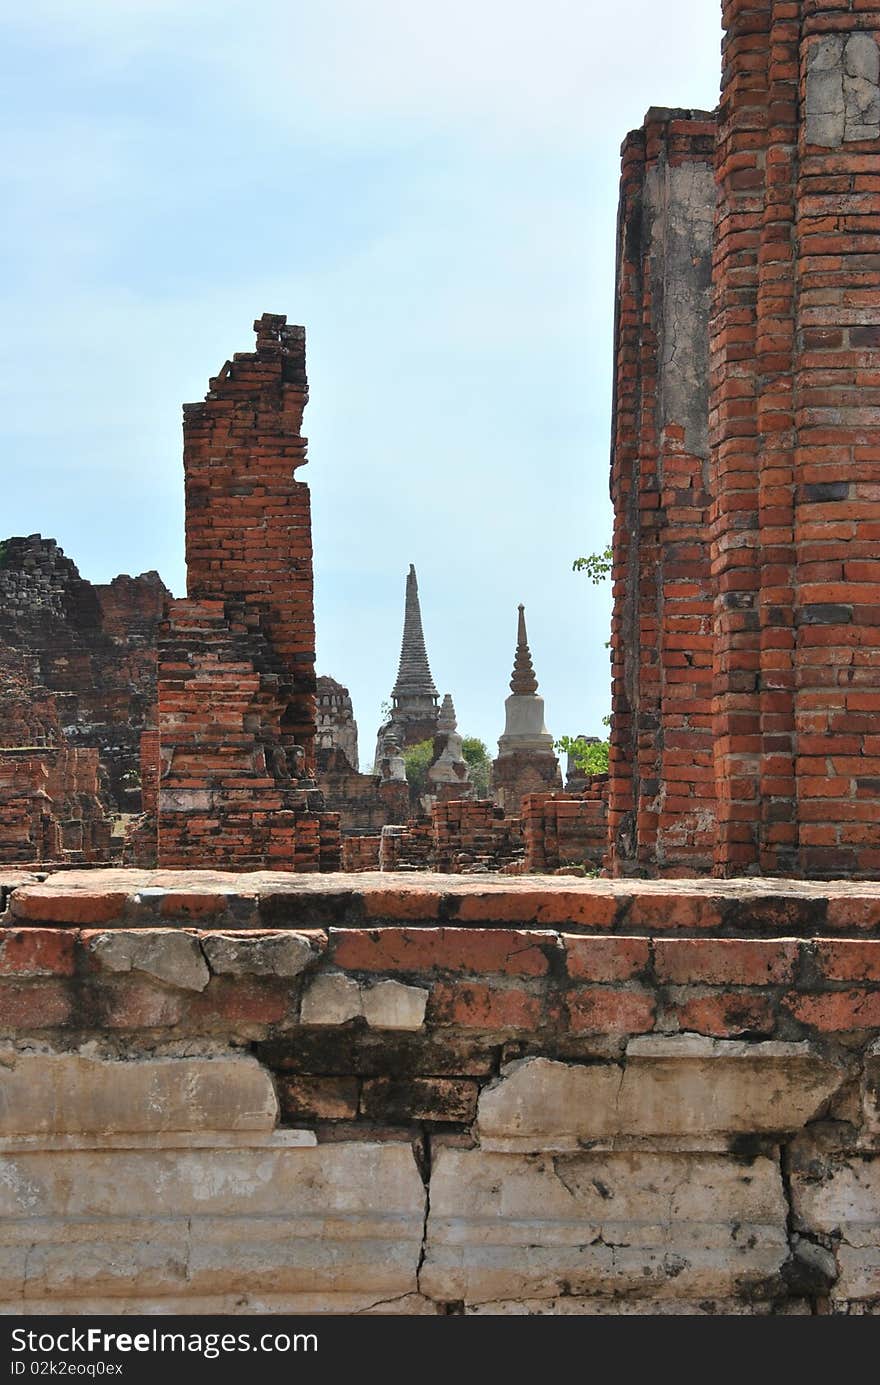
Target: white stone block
pixel 331 999
pixel 672 1225
pixel 70 1094
pixel 392 1005
pixel 677 1086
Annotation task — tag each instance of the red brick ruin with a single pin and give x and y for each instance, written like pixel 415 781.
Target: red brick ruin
pixel 746 627
pixel 746 590
pixel 236 685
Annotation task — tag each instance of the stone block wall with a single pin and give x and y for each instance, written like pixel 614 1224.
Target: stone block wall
pixel 433 1097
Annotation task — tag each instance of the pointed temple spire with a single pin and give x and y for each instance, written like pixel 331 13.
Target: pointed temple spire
pixel 523 680
pixel 414 674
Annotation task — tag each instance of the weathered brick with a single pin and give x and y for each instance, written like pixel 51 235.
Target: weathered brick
pixel 504 951
pixel 837 1011
pixel 669 911
pixel 720 961
pixel 607 1010
pixel 239 1001
pixel 475 1006
pixel 303 1096
pixel 34 1005
pixel 125 1003
pixel 43 904
pixel 605 959
pixel 726 1014
pixel 402 904
pixel 437 1099
pixel 844 959
pixel 37 952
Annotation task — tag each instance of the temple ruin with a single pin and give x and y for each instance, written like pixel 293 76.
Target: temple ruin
pixel 456 1080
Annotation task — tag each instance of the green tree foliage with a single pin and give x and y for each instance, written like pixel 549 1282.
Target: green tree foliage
pixel 591 757
pixel 417 759
pixel 479 763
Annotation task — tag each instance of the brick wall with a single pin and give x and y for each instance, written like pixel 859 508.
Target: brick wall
pixel 409 847
pixel 474 835
pixel 520 772
pixel 487 1097
pixel 562 830
pixel 52 808
pixel 361 853
pixel 77 660
pixel 361 801
pixel 793 411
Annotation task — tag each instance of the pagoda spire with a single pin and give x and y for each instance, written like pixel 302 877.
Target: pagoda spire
pixel 414 673
pixel 523 680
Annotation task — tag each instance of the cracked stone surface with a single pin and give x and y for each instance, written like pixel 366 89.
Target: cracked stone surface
pixel 679 1085
pixel 282 954
pixel 171 956
pixel 843 89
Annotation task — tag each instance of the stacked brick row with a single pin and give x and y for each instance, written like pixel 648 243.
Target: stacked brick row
pixel 474 835
pixel 360 853
pixel 661 799
pixel 565 829
pixel 236 706
pixel 406 848
pixel 568 964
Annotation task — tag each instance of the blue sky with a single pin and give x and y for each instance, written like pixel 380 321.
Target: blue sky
pixel 432 191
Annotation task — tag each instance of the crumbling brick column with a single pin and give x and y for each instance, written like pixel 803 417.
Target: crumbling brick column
pixel 236 705
pixel 661 803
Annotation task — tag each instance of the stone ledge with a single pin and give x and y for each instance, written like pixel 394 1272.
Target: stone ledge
pixel 263 899
pixel 71 1094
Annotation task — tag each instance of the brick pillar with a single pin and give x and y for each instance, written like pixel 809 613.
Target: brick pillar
pixel 751 432
pixel 236 657
pixel 248 521
pixel 793 429
pixel 837 402
pixel 661 802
